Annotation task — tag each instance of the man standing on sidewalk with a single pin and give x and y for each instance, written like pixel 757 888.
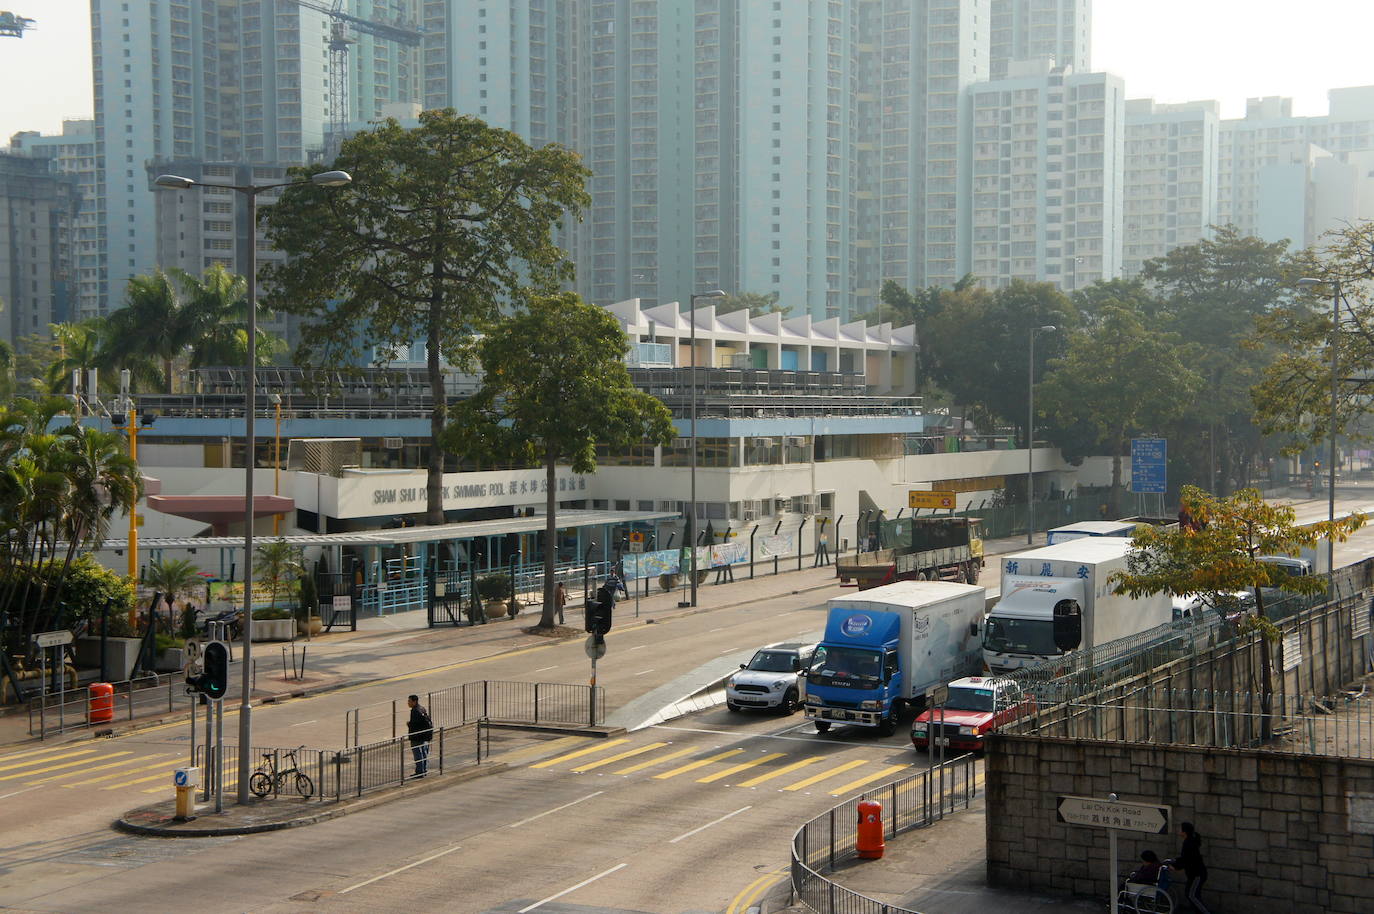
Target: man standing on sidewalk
pixel 421 728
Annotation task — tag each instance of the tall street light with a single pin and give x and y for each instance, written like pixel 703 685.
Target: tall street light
pixel 1030 435
pixel 1308 283
pixel 250 192
pixel 692 513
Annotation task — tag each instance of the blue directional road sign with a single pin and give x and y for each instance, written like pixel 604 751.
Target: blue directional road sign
pixel 1149 465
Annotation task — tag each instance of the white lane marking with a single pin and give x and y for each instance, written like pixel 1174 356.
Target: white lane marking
pixel 400 869
pixel 303 723
pixel 730 650
pixel 639 647
pixel 730 815
pixel 550 812
pixel 720 629
pixel 543 668
pixel 619 866
pixel 642 672
pixel 6 796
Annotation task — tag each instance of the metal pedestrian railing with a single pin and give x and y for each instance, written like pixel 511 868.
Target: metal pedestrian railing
pixel 59 712
pixel 331 775
pixel 829 839
pixel 486 699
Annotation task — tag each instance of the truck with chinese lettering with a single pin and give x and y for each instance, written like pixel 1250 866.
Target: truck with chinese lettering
pixel 1059 599
pixel 939 549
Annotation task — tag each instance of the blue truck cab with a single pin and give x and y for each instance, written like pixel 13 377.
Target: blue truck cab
pixel 887 647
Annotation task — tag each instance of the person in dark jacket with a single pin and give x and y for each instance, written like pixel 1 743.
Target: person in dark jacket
pixel 421 729
pixel 1189 860
pixel 1148 871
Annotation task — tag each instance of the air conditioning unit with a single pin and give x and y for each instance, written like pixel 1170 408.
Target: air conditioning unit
pixel 749 511
pixel 393 444
pixel 780 505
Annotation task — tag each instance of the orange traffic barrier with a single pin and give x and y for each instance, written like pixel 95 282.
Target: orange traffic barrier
pixel 869 841
pixel 101 709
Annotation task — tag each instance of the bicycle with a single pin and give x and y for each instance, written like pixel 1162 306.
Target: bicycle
pixel 268 778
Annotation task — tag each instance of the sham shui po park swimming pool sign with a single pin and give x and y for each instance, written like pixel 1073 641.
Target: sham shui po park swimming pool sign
pixel 1115 816
pixel 938 500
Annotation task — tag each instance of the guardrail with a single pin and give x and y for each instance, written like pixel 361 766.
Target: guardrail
pixel 829 839
pixel 57 713
pixel 492 700
pixel 331 775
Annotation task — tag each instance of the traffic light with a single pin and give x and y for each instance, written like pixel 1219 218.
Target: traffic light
pixel 213 681
pixel 598 620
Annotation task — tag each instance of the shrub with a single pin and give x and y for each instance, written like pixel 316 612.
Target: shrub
pixel 271 612
pixel 491 587
pixel 166 642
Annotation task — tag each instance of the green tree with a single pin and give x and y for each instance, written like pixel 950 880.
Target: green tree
pixel 1211 294
pixel 279 565
pixel 1222 556
pixel 756 303
pixel 1294 395
pixel 173 578
pixel 78 350
pixel 441 222
pixel 1116 379
pixel 555 386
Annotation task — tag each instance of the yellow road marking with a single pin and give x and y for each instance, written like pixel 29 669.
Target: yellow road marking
pixel 657 760
pixel 726 772
pixel 119 764
pixel 555 745
pixel 548 763
pixel 81 761
pixel 32 752
pixel 881 773
pixel 624 755
pixel 828 773
pixel 781 771
pixel 754 891
pixel 228 779
pixel 117 774
pixel 699 763
pixel 51 758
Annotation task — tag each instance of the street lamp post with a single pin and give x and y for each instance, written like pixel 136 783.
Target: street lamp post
pixel 1030 435
pixel 692 513
pixel 276 461
pixel 250 193
pixel 1307 283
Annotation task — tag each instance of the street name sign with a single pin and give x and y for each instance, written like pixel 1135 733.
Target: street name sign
pixel 1149 465
pixel 1114 814
pixel 918 499
pixel 52 639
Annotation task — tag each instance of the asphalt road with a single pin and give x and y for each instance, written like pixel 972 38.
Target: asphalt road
pixel 675 818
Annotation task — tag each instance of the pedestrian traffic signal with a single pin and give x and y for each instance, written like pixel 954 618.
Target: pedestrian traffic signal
pixel 213 681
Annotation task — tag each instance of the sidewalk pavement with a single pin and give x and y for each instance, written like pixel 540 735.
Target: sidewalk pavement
pixel 402 643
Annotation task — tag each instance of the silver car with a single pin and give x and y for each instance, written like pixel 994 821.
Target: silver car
pixel 772 679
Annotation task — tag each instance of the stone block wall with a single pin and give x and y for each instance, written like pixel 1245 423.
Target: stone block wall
pixel 1281 833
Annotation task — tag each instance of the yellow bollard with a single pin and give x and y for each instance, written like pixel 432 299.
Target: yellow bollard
pixel 186 780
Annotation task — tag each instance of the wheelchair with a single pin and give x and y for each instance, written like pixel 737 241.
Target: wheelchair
pixel 1141 898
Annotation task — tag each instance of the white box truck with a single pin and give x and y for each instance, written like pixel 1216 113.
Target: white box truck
pixel 1057 599
pixel 886 648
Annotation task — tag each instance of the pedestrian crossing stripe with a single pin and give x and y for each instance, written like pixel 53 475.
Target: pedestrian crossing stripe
pixel 726 772
pixel 881 773
pixel 151 777
pixel 699 763
pixel 828 773
pixel 629 753
pixel 50 758
pixel 548 763
pixel 657 760
pixel 31 752
pixel 82 761
pixel 119 764
pixel 779 772
pixel 117 774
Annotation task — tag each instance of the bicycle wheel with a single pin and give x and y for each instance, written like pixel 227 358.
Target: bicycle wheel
pixel 260 784
pixel 304 786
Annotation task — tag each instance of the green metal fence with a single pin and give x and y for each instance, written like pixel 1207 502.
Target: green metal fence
pixel 1009 520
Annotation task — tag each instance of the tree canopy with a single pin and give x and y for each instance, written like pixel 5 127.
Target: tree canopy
pixel 756 303
pixel 555 386
pixel 442 223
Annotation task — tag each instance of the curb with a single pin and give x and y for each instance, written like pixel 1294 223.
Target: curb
pixel 331 812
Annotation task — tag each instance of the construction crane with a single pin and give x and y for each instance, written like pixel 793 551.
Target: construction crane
pixel 339 40
pixel 12 26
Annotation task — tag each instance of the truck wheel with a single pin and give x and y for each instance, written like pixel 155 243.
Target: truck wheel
pixel 887 726
pixel 789 702
pixel 822 726
pixel 971 570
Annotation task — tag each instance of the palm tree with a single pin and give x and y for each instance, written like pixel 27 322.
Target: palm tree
pixel 79 350
pixel 172 578
pixel 279 565
pixel 217 311
pixel 149 332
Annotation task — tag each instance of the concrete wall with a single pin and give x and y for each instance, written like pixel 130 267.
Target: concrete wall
pixel 1281 833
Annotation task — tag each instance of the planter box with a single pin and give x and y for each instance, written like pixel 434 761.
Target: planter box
pixel 274 629
pixel 120 655
pixel 171 660
pixel 495 609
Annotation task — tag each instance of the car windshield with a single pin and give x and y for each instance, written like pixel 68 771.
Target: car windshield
pixel 848 663
pixel 1020 636
pixel 772 662
pixel 966 699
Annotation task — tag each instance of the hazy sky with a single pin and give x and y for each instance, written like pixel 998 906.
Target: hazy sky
pixel 1173 50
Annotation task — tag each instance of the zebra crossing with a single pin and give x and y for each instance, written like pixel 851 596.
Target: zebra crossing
pixel 735 766
pixel 106 768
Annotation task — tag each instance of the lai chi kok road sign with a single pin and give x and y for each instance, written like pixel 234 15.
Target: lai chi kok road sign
pixel 52 639
pixel 1149 465
pixel 1153 820
pixel 917 499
